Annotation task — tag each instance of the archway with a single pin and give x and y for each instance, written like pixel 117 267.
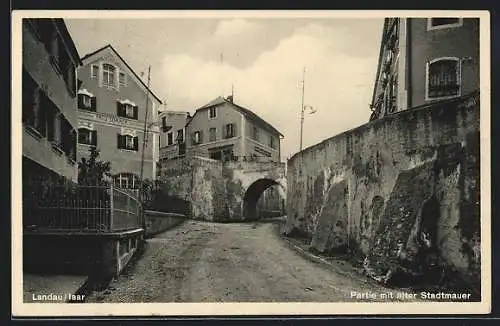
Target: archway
pixel 252 195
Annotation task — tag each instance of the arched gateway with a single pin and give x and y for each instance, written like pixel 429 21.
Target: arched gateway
pixel 256 191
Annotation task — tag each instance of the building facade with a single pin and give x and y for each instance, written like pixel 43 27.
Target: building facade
pixel 423 60
pixel 49 88
pixel 223 130
pixel 172 140
pixel 113 103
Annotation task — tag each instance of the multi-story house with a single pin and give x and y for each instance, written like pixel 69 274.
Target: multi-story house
pixel 172 134
pixel 49 88
pixel 113 103
pixel 423 60
pixel 223 130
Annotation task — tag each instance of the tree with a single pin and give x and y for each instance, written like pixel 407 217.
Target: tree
pixel 92 171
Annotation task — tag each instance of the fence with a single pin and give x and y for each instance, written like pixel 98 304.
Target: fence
pixel 80 208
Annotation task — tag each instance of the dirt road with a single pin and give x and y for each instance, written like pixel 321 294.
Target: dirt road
pixel 206 262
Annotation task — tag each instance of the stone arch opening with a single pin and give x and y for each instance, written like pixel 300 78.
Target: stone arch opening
pixel 252 195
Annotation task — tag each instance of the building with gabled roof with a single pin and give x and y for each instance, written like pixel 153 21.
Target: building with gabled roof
pixel 224 130
pixel 424 60
pixel 113 103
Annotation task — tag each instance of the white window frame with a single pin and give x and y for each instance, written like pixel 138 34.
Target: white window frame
pixel 87 101
pixel 455 25
pixel 197 137
pixel 89 129
pixel 129 110
pixel 124 83
pixel 215 134
pixel 93 73
pixel 210 113
pixel 459 78
pixel 170 134
pixel 129 142
pixel 113 80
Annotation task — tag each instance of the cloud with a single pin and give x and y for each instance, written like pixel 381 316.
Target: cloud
pixel 236 28
pixel 337 84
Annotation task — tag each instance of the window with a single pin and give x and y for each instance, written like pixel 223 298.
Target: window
pixel 69 139
pixel 272 142
pixel 87 137
pixel 170 138
pixel 123 79
pixel 128 142
pixel 443 22
pixel 180 135
pixel 31 103
pixel 197 138
pixel 94 71
pixel 108 75
pixel 443 78
pixel 127 110
pixel 229 130
pixel 126 181
pixel 212 134
pixel 255 133
pixel 86 102
pixel 212 113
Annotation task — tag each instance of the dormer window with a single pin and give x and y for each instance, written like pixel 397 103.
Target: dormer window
pixel 108 75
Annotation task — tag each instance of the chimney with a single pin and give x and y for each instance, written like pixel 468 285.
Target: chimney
pixel 230 98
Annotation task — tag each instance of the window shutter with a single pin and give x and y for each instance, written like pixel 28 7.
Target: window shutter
pixel 120 141
pixel 136 143
pixel 234 130
pixel 136 112
pixel 94 137
pixel 93 103
pixel 119 109
pixel 80 101
pixel 201 136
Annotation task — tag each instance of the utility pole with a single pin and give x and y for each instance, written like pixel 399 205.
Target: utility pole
pixel 144 134
pixel 302 107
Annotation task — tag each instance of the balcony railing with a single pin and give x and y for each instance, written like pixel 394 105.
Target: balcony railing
pixel 92 209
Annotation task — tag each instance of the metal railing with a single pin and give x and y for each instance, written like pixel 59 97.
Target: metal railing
pixel 94 209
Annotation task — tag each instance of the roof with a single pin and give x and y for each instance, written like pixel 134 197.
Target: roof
pixel 126 64
pixel 65 33
pixel 220 100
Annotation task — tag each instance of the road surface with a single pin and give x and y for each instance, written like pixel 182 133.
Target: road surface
pixel 208 262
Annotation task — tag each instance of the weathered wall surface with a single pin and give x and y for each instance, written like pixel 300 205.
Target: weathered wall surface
pixel 157 222
pixel 216 190
pixel 403 192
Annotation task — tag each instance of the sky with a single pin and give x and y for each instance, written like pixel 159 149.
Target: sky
pixel 194 60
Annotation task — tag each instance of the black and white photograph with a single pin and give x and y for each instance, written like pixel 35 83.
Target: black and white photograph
pixel 250 162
